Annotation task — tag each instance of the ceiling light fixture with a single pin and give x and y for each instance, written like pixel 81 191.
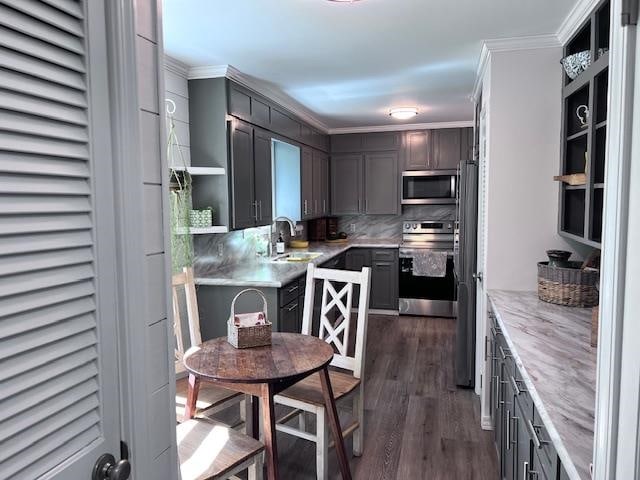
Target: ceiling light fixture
pixel 403 113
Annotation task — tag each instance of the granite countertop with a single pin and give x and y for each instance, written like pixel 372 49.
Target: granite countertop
pixel 551 347
pixel 263 273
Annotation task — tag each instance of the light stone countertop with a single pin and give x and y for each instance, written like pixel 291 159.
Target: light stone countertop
pixel 263 273
pixel 551 346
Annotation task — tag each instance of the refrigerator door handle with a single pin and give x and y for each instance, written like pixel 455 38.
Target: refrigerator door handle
pixel 477 276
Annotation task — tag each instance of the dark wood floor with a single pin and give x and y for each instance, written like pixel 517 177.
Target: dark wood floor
pixel 418 424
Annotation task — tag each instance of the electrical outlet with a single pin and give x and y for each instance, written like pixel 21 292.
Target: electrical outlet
pixel 221 250
pixel 352 228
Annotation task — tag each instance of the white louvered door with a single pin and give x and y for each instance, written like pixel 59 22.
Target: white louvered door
pixel 59 400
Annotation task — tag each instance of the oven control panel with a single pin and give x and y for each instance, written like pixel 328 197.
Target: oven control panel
pixel 445 227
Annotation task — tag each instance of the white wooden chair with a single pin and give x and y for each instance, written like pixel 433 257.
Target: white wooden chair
pixel 305 397
pixel 211 398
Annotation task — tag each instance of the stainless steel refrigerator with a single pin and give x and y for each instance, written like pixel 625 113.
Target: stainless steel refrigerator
pixel 465 268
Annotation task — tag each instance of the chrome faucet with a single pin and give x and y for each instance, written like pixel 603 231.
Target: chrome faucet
pixel 292 224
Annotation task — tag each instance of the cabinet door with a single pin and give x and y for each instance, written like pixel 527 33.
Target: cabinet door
pixel 262 175
pixel 347 143
pixel 446 148
pixel 317 183
pixel 290 317
pixel 260 112
pixel 510 447
pixel 381 141
pixel 346 184
pixel 417 150
pixel 381 183
pixel 523 449
pixel 325 184
pixel 243 206
pixel 357 258
pixel 384 279
pixel 239 102
pixel 306 183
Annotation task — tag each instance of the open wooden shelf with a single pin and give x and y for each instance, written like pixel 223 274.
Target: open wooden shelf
pixel 583 148
pixel 202 230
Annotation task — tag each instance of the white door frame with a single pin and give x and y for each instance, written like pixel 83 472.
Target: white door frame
pixel 609 452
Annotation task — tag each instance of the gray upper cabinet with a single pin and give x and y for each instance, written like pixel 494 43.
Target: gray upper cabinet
pixel 262 175
pixel 447 146
pixel 417 150
pixel 378 142
pixel 284 124
pixel 320 183
pixel 347 143
pixel 250 170
pixel 306 190
pixel 260 112
pixel 239 102
pixel 381 183
pixel 243 208
pixel 346 184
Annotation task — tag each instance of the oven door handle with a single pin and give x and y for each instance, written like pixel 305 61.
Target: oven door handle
pixel 409 253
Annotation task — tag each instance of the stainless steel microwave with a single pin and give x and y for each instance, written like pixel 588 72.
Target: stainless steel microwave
pixel 429 187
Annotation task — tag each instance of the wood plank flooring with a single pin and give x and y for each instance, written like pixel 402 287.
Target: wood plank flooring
pixel 418 424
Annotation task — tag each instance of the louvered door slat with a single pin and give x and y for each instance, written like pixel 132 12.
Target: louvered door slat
pixel 37 29
pixel 69 208
pixel 46 109
pixel 72 7
pixel 11 162
pixel 43 50
pixel 54 457
pixel 58 409
pixel 21 364
pixel 44 242
pixel 19 423
pixel 43 383
pixel 18 324
pixel 43 185
pixel 37 87
pixel 37 68
pixel 42 298
pixel 45 279
pixel 29 125
pixel 14 445
pixel 48 14
pixel 43 447
pixel 41 261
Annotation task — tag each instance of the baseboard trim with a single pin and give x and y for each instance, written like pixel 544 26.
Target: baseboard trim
pixel 486 423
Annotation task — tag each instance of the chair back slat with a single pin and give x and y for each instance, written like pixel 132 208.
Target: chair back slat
pixel 337 331
pixel 185 281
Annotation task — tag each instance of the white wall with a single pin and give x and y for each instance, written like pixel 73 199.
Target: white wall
pixel 176 89
pixel 524 95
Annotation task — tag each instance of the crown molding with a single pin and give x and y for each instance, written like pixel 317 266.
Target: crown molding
pixel 401 128
pixel 578 14
pixel 176 66
pixel 258 86
pixel 510 44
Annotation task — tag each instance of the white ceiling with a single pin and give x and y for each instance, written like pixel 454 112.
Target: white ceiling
pixel 348 63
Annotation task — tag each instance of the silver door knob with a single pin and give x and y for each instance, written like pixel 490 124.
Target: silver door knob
pixel 477 276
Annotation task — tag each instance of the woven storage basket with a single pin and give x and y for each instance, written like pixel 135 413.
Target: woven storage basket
pixel 570 286
pixel 247 337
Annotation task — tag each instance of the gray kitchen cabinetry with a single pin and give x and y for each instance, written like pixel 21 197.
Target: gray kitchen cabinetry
pixel 290 303
pixel 365 142
pixel 346 184
pixel 315 183
pixel 417 150
pixel 447 145
pixel 524 448
pixel 381 183
pixel 250 170
pixel 306 183
pixel 384 275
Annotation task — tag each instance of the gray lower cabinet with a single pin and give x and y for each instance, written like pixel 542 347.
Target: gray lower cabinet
pixel 290 302
pixel 383 293
pixel 525 451
pixel 381 183
pixel 250 170
pixel 346 184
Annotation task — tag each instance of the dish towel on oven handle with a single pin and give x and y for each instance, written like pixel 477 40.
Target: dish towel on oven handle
pixel 430 263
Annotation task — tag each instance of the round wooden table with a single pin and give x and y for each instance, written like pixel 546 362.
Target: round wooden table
pixel 264 372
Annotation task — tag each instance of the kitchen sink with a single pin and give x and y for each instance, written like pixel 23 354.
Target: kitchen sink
pixel 300 257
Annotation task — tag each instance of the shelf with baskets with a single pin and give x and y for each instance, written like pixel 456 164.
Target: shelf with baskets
pixel 584 119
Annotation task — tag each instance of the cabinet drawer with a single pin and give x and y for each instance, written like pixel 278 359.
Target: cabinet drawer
pixel 290 317
pixel 546 450
pixel 288 293
pixel 384 255
pixel 302 287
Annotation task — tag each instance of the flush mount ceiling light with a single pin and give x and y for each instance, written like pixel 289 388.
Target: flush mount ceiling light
pixel 403 113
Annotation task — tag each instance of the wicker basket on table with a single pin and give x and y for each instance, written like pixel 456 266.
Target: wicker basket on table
pixel 248 336
pixel 570 286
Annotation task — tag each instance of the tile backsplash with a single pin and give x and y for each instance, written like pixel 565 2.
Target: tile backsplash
pixel 243 245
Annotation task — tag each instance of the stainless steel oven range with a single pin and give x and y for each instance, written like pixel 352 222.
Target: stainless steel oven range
pixel 427 295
